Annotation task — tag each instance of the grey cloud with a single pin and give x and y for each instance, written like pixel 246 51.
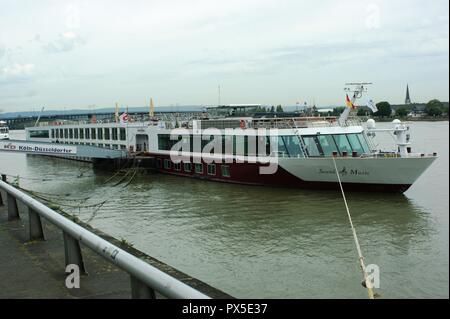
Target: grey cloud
pixel 66 41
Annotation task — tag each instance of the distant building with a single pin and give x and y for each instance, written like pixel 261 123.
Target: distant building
pixel 407 98
pixel 326 112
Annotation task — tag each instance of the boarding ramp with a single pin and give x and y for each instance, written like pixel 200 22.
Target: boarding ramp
pixel 56 149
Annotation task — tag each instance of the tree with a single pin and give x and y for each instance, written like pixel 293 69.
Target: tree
pixel 272 109
pixel 384 109
pixel 279 109
pixel 434 108
pixel 402 112
pixel 363 111
pixel 338 110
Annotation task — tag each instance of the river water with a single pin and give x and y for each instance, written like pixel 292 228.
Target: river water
pixel 261 242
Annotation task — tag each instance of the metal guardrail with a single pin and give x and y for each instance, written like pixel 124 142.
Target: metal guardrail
pixel 145 279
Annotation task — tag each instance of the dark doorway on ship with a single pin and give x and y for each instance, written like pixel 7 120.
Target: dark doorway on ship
pixel 141 142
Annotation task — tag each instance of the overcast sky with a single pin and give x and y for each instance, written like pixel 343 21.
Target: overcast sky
pixel 93 53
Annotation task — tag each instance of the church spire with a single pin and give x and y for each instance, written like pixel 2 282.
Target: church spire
pixel 407 99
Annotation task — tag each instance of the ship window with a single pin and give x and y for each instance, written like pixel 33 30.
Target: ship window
pixel 211 169
pixel 327 144
pixel 167 164
pixel 199 168
pixel 227 147
pixel 114 133
pixel 66 133
pixel 282 151
pixel 177 166
pixel 57 133
pixel 39 134
pixel 355 144
pixel 342 143
pixel 187 167
pixel 364 143
pixel 292 145
pixel 123 135
pixel 100 145
pixel 107 135
pixel 81 133
pixel 225 170
pixel 239 145
pixel 61 133
pixel 165 143
pixel 71 133
pixel 75 133
pixel 86 131
pixel 123 147
pixel 100 133
pixel 312 146
pixel 53 132
pixel 115 147
pixel 107 145
pixel 93 134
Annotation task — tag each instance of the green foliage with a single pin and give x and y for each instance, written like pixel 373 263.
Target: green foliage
pixel 363 111
pixel 272 109
pixel 16 181
pixel 434 108
pixel 125 243
pixel 384 109
pixel 402 112
pixel 279 109
pixel 338 110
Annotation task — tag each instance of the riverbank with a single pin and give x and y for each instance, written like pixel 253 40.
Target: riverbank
pixel 42 263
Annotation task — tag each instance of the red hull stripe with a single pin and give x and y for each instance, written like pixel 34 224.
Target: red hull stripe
pixel 248 174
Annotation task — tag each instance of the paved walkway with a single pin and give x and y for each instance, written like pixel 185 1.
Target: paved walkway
pixel 37 269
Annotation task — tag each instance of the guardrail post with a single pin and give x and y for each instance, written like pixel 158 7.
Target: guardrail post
pixel 1 198
pixel 13 211
pixel 139 290
pixel 72 252
pixel 36 231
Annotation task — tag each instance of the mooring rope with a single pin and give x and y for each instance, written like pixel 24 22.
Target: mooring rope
pixel 355 237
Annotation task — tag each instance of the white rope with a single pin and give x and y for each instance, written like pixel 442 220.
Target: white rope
pixel 355 237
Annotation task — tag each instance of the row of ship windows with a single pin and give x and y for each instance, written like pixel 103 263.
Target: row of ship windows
pixel 198 167
pixel 288 145
pixel 100 133
pixel 111 146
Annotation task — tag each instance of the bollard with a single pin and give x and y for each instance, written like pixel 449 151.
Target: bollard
pixel 36 230
pixel 72 252
pixel 13 211
pixel 139 290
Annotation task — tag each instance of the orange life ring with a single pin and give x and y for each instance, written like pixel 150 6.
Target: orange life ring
pixel 242 124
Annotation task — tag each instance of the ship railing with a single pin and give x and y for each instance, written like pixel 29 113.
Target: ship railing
pixel 299 123
pixel 145 279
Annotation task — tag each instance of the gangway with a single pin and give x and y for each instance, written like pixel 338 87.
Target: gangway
pixel 56 149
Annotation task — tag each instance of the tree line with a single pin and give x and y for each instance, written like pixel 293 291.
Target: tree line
pixel 432 108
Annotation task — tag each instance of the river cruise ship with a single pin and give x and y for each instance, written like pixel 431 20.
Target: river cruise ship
pixel 293 152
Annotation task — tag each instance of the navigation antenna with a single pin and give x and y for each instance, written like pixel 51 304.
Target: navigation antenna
pixel 356 90
pixel 39 117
